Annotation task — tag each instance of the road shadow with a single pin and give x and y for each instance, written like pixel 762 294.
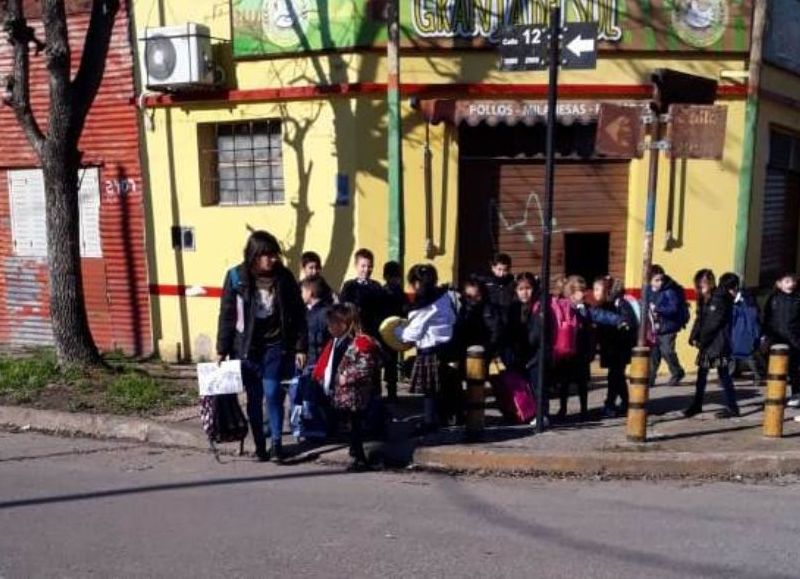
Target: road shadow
pixel 532 528
pixel 126 491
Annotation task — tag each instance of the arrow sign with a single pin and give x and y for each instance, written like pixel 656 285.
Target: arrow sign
pixel 620 131
pixel 579 45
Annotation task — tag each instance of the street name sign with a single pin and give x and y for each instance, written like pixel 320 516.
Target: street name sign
pixel 697 131
pixel 524 48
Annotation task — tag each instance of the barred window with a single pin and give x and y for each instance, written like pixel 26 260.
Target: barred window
pixel 245 164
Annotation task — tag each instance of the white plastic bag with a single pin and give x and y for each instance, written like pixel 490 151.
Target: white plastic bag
pixel 224 378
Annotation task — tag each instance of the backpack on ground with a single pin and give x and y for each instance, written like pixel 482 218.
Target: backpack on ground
pixel 307 417
pixel 565 335
pixel 514 397
pixel 223 419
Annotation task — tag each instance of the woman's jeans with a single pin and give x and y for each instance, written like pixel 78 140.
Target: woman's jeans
pixel 727 388
pixel 263 380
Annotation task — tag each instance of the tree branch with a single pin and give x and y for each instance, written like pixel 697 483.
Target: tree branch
pixel 93 60
pixel 20 36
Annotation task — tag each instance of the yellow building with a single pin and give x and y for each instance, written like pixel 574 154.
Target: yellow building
pixel 294 140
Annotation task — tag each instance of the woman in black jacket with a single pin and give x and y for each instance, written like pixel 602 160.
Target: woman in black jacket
pixel 711 334
pixel 262 322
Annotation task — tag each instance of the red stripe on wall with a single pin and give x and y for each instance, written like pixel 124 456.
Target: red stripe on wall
pixel 216 292
pixel 180 290
pixel 474 90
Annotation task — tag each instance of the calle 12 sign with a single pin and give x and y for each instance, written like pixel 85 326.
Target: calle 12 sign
pixel 280 27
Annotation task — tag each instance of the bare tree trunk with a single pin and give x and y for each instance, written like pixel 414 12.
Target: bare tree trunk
pixel 70 101
pixel 73 338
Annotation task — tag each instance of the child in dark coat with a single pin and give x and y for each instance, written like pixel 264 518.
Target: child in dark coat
pixel 365 293
pixel 318 298
pixel 395 304
pixel 500 293
pixel 711 334
pixel 479 320
pixel 523 331
pixel 782 326
pixel 616 342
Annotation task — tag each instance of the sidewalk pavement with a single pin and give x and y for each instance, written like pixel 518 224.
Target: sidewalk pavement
pixel 700 447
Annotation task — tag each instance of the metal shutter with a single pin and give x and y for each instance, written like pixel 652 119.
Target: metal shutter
pixel 501 211
pixel 779 229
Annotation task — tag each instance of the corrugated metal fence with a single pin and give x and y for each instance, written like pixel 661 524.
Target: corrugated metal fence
pixel 116 287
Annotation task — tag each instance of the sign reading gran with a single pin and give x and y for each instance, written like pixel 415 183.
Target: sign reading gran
pixel 280 27
pixel 487 18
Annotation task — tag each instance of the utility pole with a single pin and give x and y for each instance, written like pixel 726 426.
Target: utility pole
pixel 547 226
pixel 538 48
pixel 395 144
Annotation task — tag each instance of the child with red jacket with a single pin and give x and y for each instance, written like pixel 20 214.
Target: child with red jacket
pixel 349 370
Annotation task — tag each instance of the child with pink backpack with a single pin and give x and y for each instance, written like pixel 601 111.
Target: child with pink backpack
pixel 573 342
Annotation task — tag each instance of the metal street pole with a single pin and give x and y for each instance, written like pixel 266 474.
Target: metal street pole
pixel 547 226
pixel 395 144
pixel 649 224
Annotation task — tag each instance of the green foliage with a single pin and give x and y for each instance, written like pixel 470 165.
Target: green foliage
pixel 22 379
pixel 139 393
pixel 35 378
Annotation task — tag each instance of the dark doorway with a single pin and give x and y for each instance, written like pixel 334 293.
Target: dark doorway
pixel 586 254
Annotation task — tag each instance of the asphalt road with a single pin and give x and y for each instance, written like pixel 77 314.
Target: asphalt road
pixel 81 508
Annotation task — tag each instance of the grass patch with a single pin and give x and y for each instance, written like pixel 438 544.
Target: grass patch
pixel 23 379
pixel 138 393
pixel 35 379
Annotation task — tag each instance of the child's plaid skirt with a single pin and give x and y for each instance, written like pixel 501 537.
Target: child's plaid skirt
pixel 426 375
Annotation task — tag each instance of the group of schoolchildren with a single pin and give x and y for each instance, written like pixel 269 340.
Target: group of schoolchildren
pixel 280 328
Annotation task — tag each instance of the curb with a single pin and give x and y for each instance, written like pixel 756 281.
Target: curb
pixel 657 464
pixel 103 426
pixel 453 459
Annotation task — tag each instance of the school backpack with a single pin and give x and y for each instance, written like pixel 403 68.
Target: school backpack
pixel 307 418
pixel 636 306
pixel 683 307
pixel 565 334
pixel 223 419
pixel 514 397
pixel 745 329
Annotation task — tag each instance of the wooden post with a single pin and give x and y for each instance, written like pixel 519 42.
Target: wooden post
pixel 637 406
pixel 476 392
pixel 776 391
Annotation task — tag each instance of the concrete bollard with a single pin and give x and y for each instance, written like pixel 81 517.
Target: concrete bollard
pixel 476 392
pixel 637 392
pixel 775 399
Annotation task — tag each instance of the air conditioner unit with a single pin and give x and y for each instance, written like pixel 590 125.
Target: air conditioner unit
pixel 176 58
